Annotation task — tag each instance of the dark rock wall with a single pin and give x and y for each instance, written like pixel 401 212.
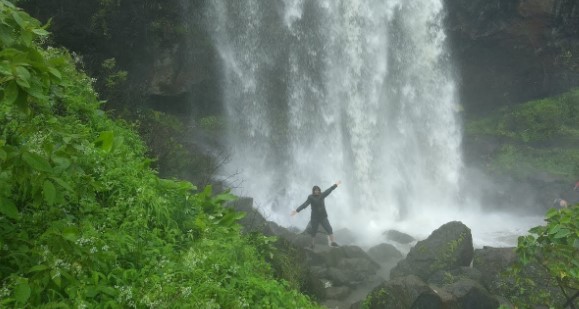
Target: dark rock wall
pixel 511 51
pixel 162 45
pixel 506 51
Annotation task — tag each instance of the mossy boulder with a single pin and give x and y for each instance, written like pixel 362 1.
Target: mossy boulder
pixel 448 247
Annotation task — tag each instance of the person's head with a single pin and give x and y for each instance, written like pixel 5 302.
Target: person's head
pixel 560 203
pixel 316 190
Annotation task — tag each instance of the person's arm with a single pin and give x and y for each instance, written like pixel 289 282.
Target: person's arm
pixel 330 189
pixel 301 207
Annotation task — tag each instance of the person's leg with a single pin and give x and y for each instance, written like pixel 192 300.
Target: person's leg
pixel 326 225
pixel 313 230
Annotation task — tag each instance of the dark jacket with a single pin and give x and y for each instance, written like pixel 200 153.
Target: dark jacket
pixel 317 202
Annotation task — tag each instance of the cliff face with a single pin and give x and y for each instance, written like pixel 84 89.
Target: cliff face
pixel 510 51
pixel 505 51
pixel 162 45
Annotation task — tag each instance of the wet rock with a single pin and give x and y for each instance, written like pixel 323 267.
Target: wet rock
pixel 385 253
pixel 403 292
pixel 471 294
pixel 398 237
pixel 491 262
pixel 448 247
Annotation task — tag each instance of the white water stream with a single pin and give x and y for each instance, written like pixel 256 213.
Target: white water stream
pixel 361 91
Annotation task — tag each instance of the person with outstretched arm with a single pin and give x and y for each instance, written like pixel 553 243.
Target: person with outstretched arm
pixel 319 216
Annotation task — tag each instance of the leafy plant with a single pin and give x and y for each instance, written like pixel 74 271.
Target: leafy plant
pixel 547 270
pixel 85 221
pixel 538 136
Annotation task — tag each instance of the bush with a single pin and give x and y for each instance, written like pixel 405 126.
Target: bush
pixel 84 221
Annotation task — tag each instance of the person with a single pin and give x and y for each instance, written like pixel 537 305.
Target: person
pixel 319 216
pixel 576 188
pixel 561 203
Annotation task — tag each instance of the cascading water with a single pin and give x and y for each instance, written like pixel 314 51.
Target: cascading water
pixel 357 90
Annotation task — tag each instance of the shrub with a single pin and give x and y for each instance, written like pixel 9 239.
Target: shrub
pixel 84 221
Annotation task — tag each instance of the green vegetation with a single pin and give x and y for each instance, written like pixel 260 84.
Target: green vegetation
pixel 540 137
pixel 377 299
pixel 114 77
pixel 447 255
pixel 84 220
pixel 547 272
pixel 536 136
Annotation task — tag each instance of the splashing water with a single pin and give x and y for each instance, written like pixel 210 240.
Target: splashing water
pixel 357 90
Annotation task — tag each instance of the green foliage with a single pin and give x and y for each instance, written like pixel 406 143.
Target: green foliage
pixel 99 20
pixel 211 123
pixel 170 142
pixel 535 121
pixel 380 298
pixel 523 161
pixel 536 136
pixel 114 77
pixel 547 270
pixel 84 221
pixel 447 255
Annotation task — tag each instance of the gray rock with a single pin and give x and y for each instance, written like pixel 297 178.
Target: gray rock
pixel 448 247
pixel 403 292
pixel 398 237
pixel 472 295
pixel 444 277
pixel 491 262
pixel 385 253
pixel 340 292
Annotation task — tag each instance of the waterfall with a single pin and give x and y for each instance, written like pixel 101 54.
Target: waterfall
pixel 355 90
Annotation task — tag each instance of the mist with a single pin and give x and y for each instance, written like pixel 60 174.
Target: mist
pixel 359 91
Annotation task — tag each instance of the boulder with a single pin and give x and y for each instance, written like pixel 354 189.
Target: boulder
pixel 398 237
pixel 339 292
pixel 403 292
pixel 346 265
pixel 448 247
pixel 444 277
pixel 491 262
pixel 345 237
pixel 471 294
pixel 385 253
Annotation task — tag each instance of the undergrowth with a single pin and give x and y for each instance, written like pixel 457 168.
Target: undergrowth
pixel 85 222
pixel 534 137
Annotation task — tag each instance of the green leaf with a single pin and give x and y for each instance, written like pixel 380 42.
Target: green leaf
pixel 8 208
pixel 40 31
pixel 70 233
pixel 551 213
pixel 224 197
pixel 554 229
pixel 37 268
pixel 10 93
pixel 5 68
pixel 62 183
pixel 54 72
pixel 91 291
pixel 62 163
pixel 562 233
pixel 109 291
pixel 56 278
pixel 22 76
pixel 105 141
pixel 36 91
pixel 22 292
pixel 18 19
pixel 8 4
pixel 36 161
pixel 49 192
